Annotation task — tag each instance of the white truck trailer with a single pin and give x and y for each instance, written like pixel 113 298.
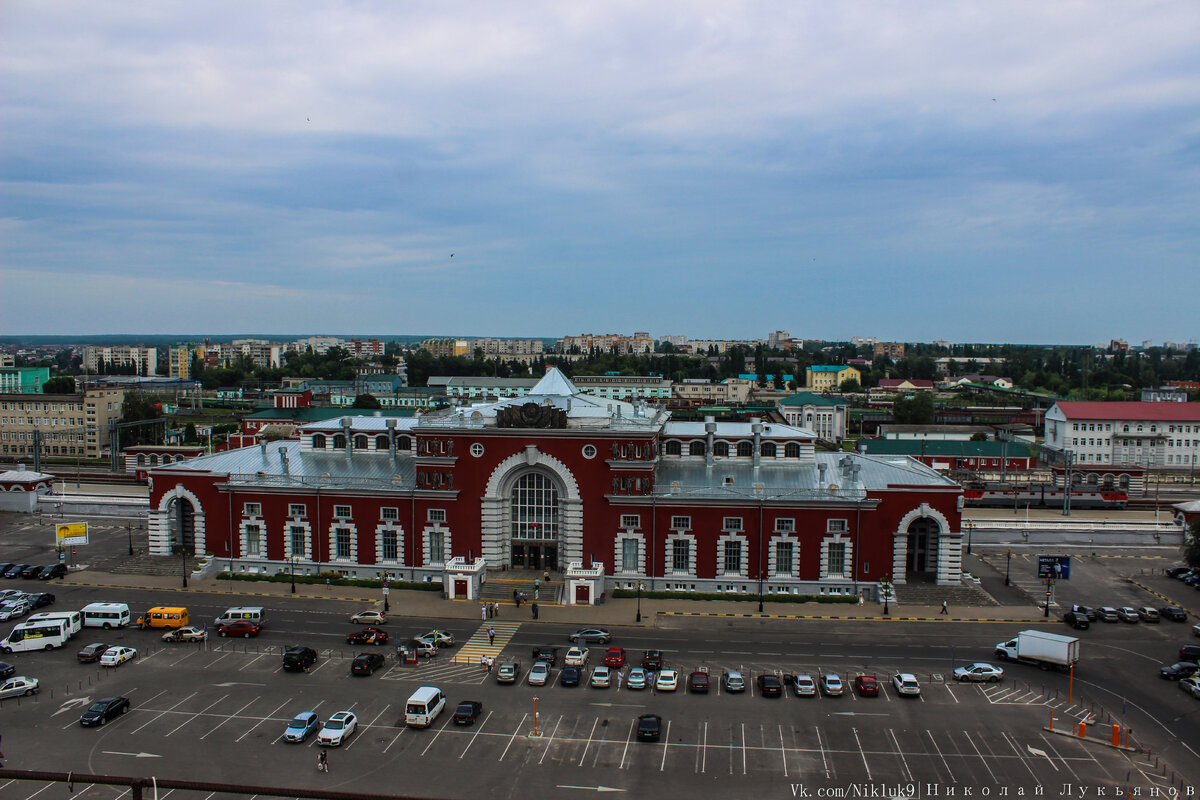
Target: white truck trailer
pixel 1046 650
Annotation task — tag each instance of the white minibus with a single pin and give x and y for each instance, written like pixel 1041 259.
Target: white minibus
pixel 423 707
pixel 39 635
pixel 74 619
pixel 105 615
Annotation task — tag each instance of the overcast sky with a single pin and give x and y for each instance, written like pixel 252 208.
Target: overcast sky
pixel 999 171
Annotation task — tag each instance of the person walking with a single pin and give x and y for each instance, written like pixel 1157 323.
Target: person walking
pixel 323 762
pixel 534 609
pixel 516 598
pixel 546 576
pixel 495 609
pixel 490 661
pixel 945 610
pixel 483 612
pixel 619 676
pixel 483 663
pixel 491 636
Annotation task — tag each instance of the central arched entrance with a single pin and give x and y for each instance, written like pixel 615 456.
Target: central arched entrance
pixel 922 556
pixel 182 518
pixel 534 522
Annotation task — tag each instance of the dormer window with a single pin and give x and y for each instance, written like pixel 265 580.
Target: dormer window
pixel 360 442
pixel 318 441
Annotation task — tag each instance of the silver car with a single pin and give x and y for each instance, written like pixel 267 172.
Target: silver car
pixel 804 686
pixel 18 687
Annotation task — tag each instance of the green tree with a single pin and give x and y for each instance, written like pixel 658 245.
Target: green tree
pixel 189 433
pixel 850 385
pixel 916 409
pixel 979 436
pixel 1191 545
pixel 59 385
pixel 366 401
pixel 137 408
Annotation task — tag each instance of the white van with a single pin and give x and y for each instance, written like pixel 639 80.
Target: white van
pixel 255 614
pixel 106 615
pixel 74 619
pixel 423 707
pixel 36 635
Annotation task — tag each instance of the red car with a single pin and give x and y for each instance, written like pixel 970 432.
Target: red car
pixel 866 686
pixel 615 657
pixel 698 683
pixel 367 636
pixel 241 627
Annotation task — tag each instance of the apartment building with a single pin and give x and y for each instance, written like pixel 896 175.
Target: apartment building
pixel 143 359
pixel 1125 433
pixel 893 350
pixel 828 377
pixel 728 391
pixel 637 344
pixel 67 424
pixel 23 380
pixel 623 387
pixel 446 348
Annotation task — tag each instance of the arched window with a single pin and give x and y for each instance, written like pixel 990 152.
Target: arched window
pixel 381 443
pixel 696 448
pixel 1076 479
pixel 534 507
pixel 339 441
pixel 673 448
pixel 153 460
pixel 360 442
pixel 721 449
pixel 1093 479
pixel 791 450
pixel 1124 481
pixel 1109 481
pixel 404 444
pixel 745 449
pixel 318 441
pixel 768 449
pixel 141 459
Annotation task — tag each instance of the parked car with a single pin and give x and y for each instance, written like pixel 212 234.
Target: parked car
pixel 866 686
pixel 366 663
pixel 103 710
pixel 1191 686
pixel 508 672
pixel 6 566
pixel 369 618
pixel 1089 612
pixel 804 686
pixel 31 572
pixel 438 638
pixel 597 635
pixel 1189 652
pixel 601 677
pixel 116 656
pixel 367 636
pixel 11 609
pixel 539 673
pixel 301 726
pixel 1173 613
pixel 576 657
pixel 40 600
pixel 637 679
pixel 1178 572
pixel 831 684
pixel 14 570
pixel 906 684
pixel 467 712
pixel 337 729
pixel 53 571
pixel 666 680
pixel 1077 620
pixel 1178 670
pixel 698 682
pixel 615 657
pixel 299 659
pixel 1148 614
pixel 770 685
pixel 649 727
pixel 1109 614
pixel 1196 630
pixel 1127 614
pixel 90 653
pixel 652 659
pixel 189 633
pixel 6 669
pixel 241 627
pixel 569 676
pixel 979 672
pixel 18 687
pixel 549 655
pixel 733 682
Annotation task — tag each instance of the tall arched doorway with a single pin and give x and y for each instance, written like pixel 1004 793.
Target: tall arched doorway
pixel 922 557
pixel 182 521
pixel 534 521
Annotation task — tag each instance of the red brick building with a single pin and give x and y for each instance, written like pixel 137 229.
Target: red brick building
pixel 557 478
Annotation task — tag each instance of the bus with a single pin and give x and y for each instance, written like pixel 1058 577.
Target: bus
pixel 74 619
pixel 163 617
pixel 38 635
pixel 105 615
pixel 423 707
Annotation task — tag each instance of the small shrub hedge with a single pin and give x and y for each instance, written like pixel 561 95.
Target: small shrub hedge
pixel 335 579
pixel 767 598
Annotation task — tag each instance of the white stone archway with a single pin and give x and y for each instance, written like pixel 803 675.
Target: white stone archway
pixel 161 535
pixel 496 520
pixel 949 546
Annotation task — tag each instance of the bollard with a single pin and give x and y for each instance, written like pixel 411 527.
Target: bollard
pixel 1082 730
pixel 1051 720
pixel 1116 735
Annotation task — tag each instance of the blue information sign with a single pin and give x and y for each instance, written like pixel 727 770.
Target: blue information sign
pixel 1056 567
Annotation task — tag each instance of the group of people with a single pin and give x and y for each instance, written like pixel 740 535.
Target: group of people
pixel 489 610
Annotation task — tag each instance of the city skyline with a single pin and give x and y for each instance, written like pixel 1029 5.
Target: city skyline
pixel 1014 172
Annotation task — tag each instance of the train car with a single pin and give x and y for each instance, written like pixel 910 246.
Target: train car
pixel 1043 495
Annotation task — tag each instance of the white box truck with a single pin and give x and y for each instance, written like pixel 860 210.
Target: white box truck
pixel 1046 650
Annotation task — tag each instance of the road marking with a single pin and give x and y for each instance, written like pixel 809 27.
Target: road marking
pixel 590 788
pixel 948 689
pixel 824 761
pixel 945 763
pixel 666 744
pixel 862 753
pixel 783 751
pixel 172 708
pixel 900 752
pixel 264 719
pixel 595 722
pixel 251 661
pixel 436 735
pixel 134 755
pixel 743 748
pixel 476 734
pixel 704 750
pixel 628 738
pixel 393 741
pixel 516 730
pixel 551 739
pixel 1012 743
pixel 72 703
pixel 222 722
pixel 981 758
pixel 186 721
pixel 1052 750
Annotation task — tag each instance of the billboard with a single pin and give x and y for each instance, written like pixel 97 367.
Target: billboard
pixel 71 533
pixel 1054 567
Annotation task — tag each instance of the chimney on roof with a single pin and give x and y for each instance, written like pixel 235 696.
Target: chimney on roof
pixel 391 429
pixel 263 445
pixel 283 458
pixel 710 428
pixel 821 474
pixel 757 428
pixel 349 439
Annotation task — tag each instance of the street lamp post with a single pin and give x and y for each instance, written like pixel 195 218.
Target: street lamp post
pixel 639 604
pixel 970 531
pixel 1007 567
pixel 129 530
pixel 887 594
pixel 293 560
pixel 386 591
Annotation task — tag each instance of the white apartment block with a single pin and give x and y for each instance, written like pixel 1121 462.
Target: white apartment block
pixel 730 390
pixel 319 344
pixel 623 387
pixel 638 344
pixel 144 359
pixel 508 347
pixel 1126 434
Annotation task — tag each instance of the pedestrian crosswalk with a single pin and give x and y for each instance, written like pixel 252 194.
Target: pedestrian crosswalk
pixel 481 645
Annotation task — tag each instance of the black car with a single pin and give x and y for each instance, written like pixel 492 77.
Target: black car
pixel 40 600
pixel 1177 671
pixel 569 676
pixel 1179 572
pixel 15 570
pixel 467 711
pixel 6 669
pixel 548 655
pixel 1189 652
pixel 1091 613
pixel 299 659
pixel 6 566
pixel 53 571
pixel 1076 619
pixel 652 659
pixel 32 571
pixel 103 710
pixel 366 663
pixel 91 652
pixel 1191 579
pixel 770 686
pixel 1173 613
pixel 649 727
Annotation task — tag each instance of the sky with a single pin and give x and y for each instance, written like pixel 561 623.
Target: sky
pixel 914 171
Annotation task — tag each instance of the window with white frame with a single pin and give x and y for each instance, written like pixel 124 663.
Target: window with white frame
pixel 341 512
pixel 297 510
pixel 785 525
pixel 835 559
pixel 252 510
pixel 681 555
pixel 436 515
pixel 681 523
pixel 732 524
pixel 784 558
pixel 731 557
pixel 835 526
pixel 630 555
pixel 631 521
pixel 389 513
pixel 389 549
pixel 437 547
pixel 341 538
pixel 253 541
pixel 298 537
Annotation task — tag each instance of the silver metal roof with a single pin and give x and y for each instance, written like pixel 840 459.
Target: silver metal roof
pixel 360 424
pixel 248 467
pixel 736 430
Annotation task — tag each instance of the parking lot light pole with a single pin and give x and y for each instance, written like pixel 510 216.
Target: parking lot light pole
pixel 639 606
pixel 887 594
pixel 1007 567
pixel 293 560
pixel 129 530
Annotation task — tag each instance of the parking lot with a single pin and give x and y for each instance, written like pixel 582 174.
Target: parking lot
pixel 206 709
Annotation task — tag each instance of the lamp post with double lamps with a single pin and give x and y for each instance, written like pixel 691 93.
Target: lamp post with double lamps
pixel 886 586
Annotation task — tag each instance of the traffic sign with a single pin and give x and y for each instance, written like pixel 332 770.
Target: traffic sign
pixel 1054 567
pixel 71 533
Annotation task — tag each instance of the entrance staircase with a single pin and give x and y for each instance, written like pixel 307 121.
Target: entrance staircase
pixel 928 593
pixel 500 585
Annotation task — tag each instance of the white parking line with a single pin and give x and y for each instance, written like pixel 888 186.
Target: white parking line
pixel 251 661
pixel 858 741
pixel 370 724
pixel 264 719
pixel 628 739
pixel 981 758
pixel 1020 755
pixel 474 736
pixel 1052 750
pixel 743 748
pixel 783 751
pixel 900 752
pixel 551 739
pixel 159 714
pixel 212 663
pixel 435 736
pixel 189 719
pixel 666 744
pixel 945 763
pixel 704 749
pixel 222 722
pixel 516 730
pixel 948 689
pixel 393 741
pixel 824 761
pixel 595 722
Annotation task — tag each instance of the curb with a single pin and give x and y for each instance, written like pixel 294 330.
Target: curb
pixel 1006 621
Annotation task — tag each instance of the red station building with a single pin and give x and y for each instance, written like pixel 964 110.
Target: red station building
pixel 561 480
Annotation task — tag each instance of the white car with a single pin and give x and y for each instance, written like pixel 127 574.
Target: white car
pixel 438 638
pixel 667 680
pixel 576 657
pixel 116 656
pixel 11 609
pixel 539 674
pixel 804 686
pixel 337 729
pixel 906 683
pixel 831 685
pixel 601 677
pixel 637 679
pixel 979 672
pixel 1191 686
pixel 16 687
pixel 187 634
pixel 369 618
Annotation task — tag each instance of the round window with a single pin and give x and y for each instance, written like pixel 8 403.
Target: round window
pixel 477 449
pixel 589 451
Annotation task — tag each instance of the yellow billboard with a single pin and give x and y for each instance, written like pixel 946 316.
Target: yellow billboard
pixel 71 533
